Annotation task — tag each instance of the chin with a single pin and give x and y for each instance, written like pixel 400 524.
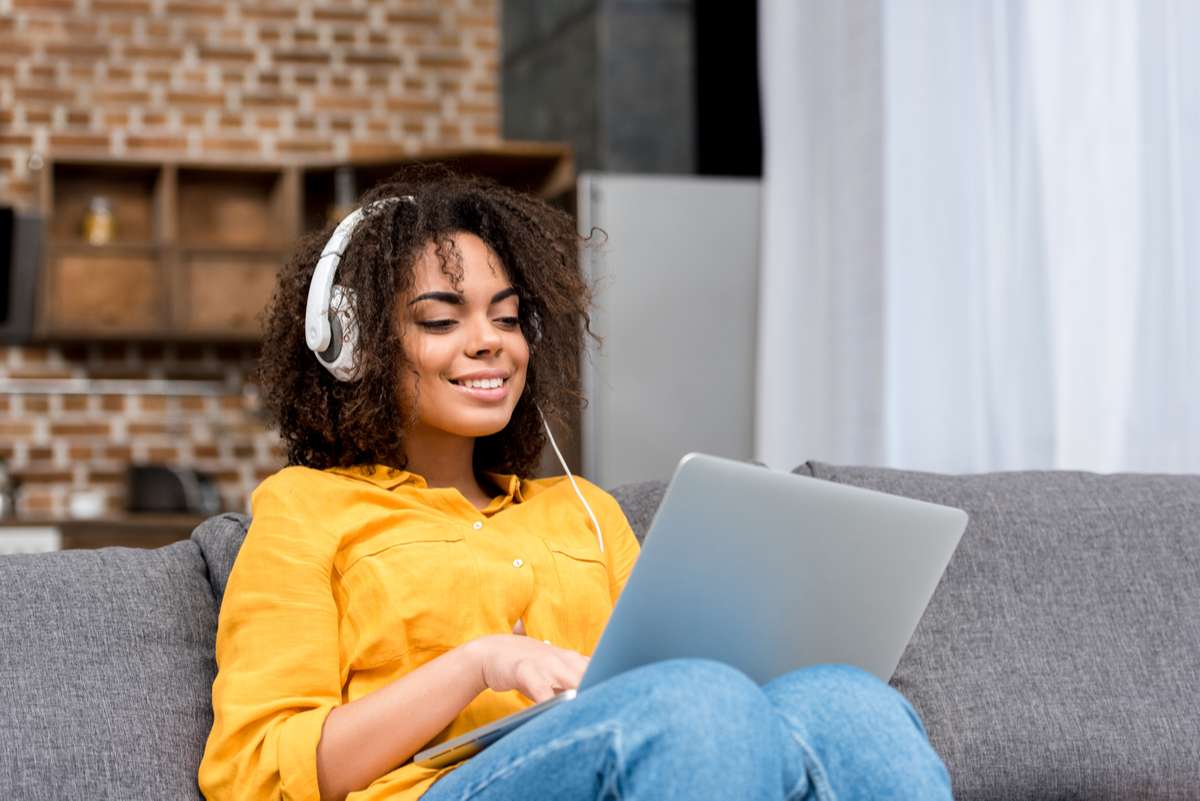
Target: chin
pixel 478 425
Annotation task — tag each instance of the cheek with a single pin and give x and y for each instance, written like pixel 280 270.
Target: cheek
pixel 520 349
pixel 420 374
pixel 521 359
pixel 426 358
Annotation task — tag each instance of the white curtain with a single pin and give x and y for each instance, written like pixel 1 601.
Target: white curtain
pixel 981 234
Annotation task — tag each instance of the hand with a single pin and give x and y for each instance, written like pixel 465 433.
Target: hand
pixel 537 669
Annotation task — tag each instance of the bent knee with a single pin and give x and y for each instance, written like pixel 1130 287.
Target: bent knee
pixel 697 692
pixel 693 672
pixel 841 692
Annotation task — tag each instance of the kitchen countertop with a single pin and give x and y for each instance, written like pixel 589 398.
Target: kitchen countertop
pixel 129 529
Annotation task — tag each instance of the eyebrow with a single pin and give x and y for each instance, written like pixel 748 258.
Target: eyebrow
pixel 459 300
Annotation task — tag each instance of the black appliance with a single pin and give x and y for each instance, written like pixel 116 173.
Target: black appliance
pixel 20 255
pixel 163 489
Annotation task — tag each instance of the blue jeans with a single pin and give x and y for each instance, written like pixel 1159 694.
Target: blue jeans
pixel 696 729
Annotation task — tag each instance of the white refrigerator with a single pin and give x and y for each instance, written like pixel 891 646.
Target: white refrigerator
pixel 676 279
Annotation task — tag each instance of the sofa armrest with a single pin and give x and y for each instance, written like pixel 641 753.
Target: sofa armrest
pixel 220 538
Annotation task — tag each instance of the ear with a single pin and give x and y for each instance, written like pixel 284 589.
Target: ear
pixel 531 326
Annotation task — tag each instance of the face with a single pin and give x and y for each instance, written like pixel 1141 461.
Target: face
pixel 466 351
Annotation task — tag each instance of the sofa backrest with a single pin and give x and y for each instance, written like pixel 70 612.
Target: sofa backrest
pixel 106 667
pixel 1060 655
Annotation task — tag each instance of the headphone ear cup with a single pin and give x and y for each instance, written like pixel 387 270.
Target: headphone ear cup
pixel 338 358
pixel 330 354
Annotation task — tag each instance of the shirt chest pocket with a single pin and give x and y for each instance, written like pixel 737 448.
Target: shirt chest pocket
pixel 585 593
pixel 407 592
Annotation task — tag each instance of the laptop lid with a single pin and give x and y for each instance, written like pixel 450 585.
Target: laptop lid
pixel 770 571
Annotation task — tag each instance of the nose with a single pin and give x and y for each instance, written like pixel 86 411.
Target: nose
pixel 483 339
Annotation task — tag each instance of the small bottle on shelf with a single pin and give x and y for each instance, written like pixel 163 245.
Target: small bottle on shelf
pixel 99 226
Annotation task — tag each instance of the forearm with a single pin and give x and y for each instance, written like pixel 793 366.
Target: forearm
pixel 366 738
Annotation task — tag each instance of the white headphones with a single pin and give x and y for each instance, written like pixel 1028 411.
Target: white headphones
pixel 331 324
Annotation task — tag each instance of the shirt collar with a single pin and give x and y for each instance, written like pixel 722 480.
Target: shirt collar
pixel 389 478
pixel 509 484
pixel 380 475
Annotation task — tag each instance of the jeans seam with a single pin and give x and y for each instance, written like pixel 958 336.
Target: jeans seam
pixel 608 727
pixel 813 769
pixel 612 781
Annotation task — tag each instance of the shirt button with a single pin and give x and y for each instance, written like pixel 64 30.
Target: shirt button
pixel 478 524
pixel 517 563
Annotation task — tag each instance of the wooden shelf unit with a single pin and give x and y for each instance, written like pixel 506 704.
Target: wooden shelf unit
pixel 545 169
pixel 197 246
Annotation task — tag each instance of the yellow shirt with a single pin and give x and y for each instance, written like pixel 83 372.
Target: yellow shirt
pixel 350 578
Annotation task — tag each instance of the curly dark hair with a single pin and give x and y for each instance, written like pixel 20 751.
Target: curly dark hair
pixel 325 422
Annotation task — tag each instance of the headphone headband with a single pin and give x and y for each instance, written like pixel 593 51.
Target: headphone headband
pixel 317 331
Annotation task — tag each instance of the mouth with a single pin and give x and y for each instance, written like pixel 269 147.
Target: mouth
pixel 479 383
pixel 488 389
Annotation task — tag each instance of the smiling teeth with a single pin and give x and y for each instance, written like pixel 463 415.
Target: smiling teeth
pixel 483 383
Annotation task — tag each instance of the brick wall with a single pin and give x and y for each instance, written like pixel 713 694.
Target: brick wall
pixel 57 443
pixel 220 80
pixel 230 79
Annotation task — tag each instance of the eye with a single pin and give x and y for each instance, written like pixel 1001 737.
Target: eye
pixel 509 322
pixel 436 325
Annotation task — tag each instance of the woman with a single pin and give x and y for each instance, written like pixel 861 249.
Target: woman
pixel 403 581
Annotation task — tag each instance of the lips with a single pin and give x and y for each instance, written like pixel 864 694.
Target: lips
pixel 482 387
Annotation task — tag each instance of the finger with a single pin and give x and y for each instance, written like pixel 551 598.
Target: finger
pixel 534 683
pixel 541 690
pixel 578 660
pixel 566 675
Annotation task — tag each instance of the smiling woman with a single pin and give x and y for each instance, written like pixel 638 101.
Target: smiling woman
pixel 404 581
pixel 399 582
pixel 429 247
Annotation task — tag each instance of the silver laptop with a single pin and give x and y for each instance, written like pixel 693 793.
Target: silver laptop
pixel 768 572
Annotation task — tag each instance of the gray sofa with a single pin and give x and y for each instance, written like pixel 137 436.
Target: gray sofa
pixel 1059 658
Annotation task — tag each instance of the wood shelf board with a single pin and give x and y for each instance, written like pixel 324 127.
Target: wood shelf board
pixel 525 165
pixel 64 335
pixel 108 249
pixel 512 149
pixel 151 162
pixel 246 251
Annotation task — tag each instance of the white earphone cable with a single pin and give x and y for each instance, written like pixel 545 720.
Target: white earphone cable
pixel 571 478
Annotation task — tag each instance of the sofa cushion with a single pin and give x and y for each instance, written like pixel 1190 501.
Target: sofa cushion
pixel 220 538
pixel 639 502
pixel 106 667
pixel 1060 655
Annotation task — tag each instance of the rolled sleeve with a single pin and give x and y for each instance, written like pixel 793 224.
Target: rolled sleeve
pixel 278 672
pixel 298 739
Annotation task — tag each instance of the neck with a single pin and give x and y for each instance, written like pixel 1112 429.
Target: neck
pixel 443 460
